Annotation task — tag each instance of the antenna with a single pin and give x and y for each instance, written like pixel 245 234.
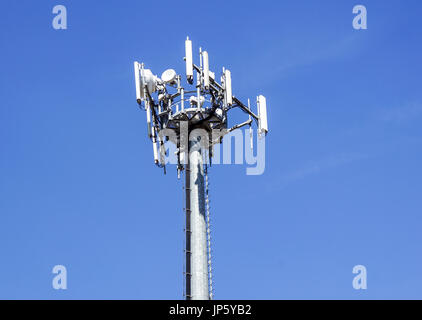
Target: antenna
pixel 148 110
pixel 189 60
pixel 204 104
pixel 262 112
pixel 228 84
pixel 206 70
pixel 169 76
pixel 137 83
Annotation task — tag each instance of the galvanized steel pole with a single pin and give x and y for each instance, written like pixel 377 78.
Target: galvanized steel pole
pixel 196 227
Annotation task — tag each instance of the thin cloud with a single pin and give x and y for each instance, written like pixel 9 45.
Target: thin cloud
pixel 402 114
pixel 283 58
pixel 341 48
pixel 316 167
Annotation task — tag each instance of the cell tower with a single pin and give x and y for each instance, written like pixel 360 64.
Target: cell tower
pixel 193 117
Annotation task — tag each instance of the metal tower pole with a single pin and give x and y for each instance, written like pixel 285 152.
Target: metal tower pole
pixel 209 103
pixel 196 231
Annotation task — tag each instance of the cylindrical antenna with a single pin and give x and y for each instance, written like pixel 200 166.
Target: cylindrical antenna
pixel 137 82
pixel 179 91
pixel 206 70
pixel 228 83
pixel 182 97
pixel 223 84
pixel 148 111
pixel 189 60
pixel 262 113
pixel 199 80
pixel 200 57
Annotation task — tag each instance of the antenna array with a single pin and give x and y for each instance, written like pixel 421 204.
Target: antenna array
pixel 173 111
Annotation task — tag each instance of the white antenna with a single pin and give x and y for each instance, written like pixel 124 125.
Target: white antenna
pixel 199 80
pixel 137 82
pixel 148 110
pixel 228 83
pixel 169 76
pixel 189 60
pixel 206 70
pixel 262 112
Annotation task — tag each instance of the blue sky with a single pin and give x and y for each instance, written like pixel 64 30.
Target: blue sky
pixel 343 175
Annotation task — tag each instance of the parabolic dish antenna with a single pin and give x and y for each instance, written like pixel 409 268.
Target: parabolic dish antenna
pixel 168 76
